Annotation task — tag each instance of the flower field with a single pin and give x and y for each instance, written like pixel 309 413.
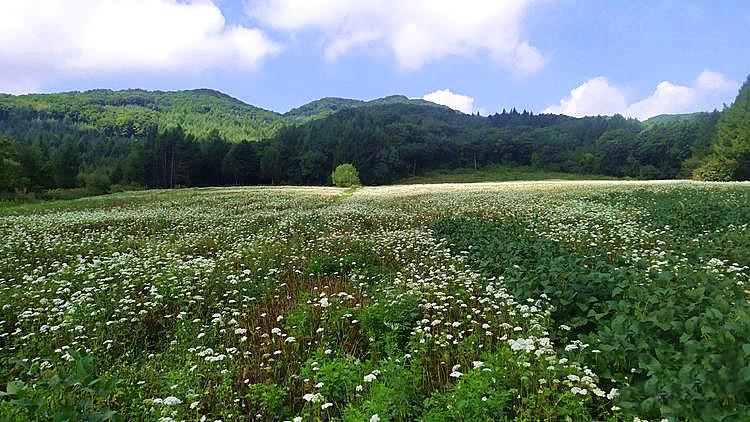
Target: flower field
pixel 510 301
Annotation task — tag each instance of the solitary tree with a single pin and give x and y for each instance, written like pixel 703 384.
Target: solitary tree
pixel 345 176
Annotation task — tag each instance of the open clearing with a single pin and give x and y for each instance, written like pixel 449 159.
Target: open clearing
pixel 524 300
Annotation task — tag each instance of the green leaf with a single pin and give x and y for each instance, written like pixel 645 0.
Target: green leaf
pixel 13 388
pixel 102 416
pixel 84 367
pixel 30 405
pixel 745 374
pixel 66 414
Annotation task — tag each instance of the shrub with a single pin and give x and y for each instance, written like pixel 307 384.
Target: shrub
pixel 345 176
pixel 98 183
pixel 716 169
pixel 648 172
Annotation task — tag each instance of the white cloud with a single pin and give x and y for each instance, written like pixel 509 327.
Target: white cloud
pixel 462 103
pixel 595 96
pixel 714 81
pixel 39 39
pixel 414 31
pixel 598 96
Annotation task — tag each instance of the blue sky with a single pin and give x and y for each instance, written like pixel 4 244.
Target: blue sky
pixel 578 57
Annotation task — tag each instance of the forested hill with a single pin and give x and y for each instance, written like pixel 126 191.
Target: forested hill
pixel 388 142
pixel 203 138
pixel 133 113
pixel 324 107
pixel 662 118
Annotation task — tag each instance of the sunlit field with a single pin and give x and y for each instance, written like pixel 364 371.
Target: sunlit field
pixel 598 300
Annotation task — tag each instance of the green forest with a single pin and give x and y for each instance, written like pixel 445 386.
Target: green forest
pixel 98 141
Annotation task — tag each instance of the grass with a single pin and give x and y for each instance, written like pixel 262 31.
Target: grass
pixel 496 173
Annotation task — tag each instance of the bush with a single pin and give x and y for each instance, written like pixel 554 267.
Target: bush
pixel 98 183
pixel 648 172
pixel 716 169
pixel 345 176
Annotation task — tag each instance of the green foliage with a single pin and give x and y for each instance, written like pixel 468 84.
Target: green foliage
pixel 66 392
pixel 392 396
pixel 577 286
pixel 523 301
pixel 138 113
pixel 496 173
pixel 510 390
pixel 11 171
pixel 197 138
pixel 732 143
pixel 324 107
pixel 240 164
pixel 345 176
pixel 98 182
pixel 268 399
pixel 389 325
pixel 67 164
pixel 675 338
pixel 716 169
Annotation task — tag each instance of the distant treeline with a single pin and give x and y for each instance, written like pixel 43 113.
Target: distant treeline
pixel 386 142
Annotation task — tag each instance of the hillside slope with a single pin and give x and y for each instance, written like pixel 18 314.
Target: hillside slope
pixel 324 107
pixel 137 113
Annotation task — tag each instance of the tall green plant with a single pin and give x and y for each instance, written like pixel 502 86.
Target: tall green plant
pixel 345 176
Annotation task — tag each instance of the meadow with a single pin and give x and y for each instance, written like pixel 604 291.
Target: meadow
pixel 564 300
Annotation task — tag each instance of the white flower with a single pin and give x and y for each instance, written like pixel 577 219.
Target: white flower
pixel 194 404
pixel 456 374
pixel 375 418
pixel 325 406
pixel 171 400
pixel 313 398
pixel 477 363
pixel 370 377
pixel 297 419
pixel 358 388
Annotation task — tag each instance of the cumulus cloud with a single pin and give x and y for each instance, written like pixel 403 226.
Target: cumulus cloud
pixel 598 96
pixel 462 103
pixel 414 32
pixel 595 96
pixel 39 39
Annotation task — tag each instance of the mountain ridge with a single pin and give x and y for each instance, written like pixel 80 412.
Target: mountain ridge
pixel 139 112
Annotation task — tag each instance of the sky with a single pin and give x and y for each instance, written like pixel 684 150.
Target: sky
pixel 639 58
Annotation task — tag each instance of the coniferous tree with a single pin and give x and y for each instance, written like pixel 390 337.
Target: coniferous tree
pixel 67 164
pixel 732 143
